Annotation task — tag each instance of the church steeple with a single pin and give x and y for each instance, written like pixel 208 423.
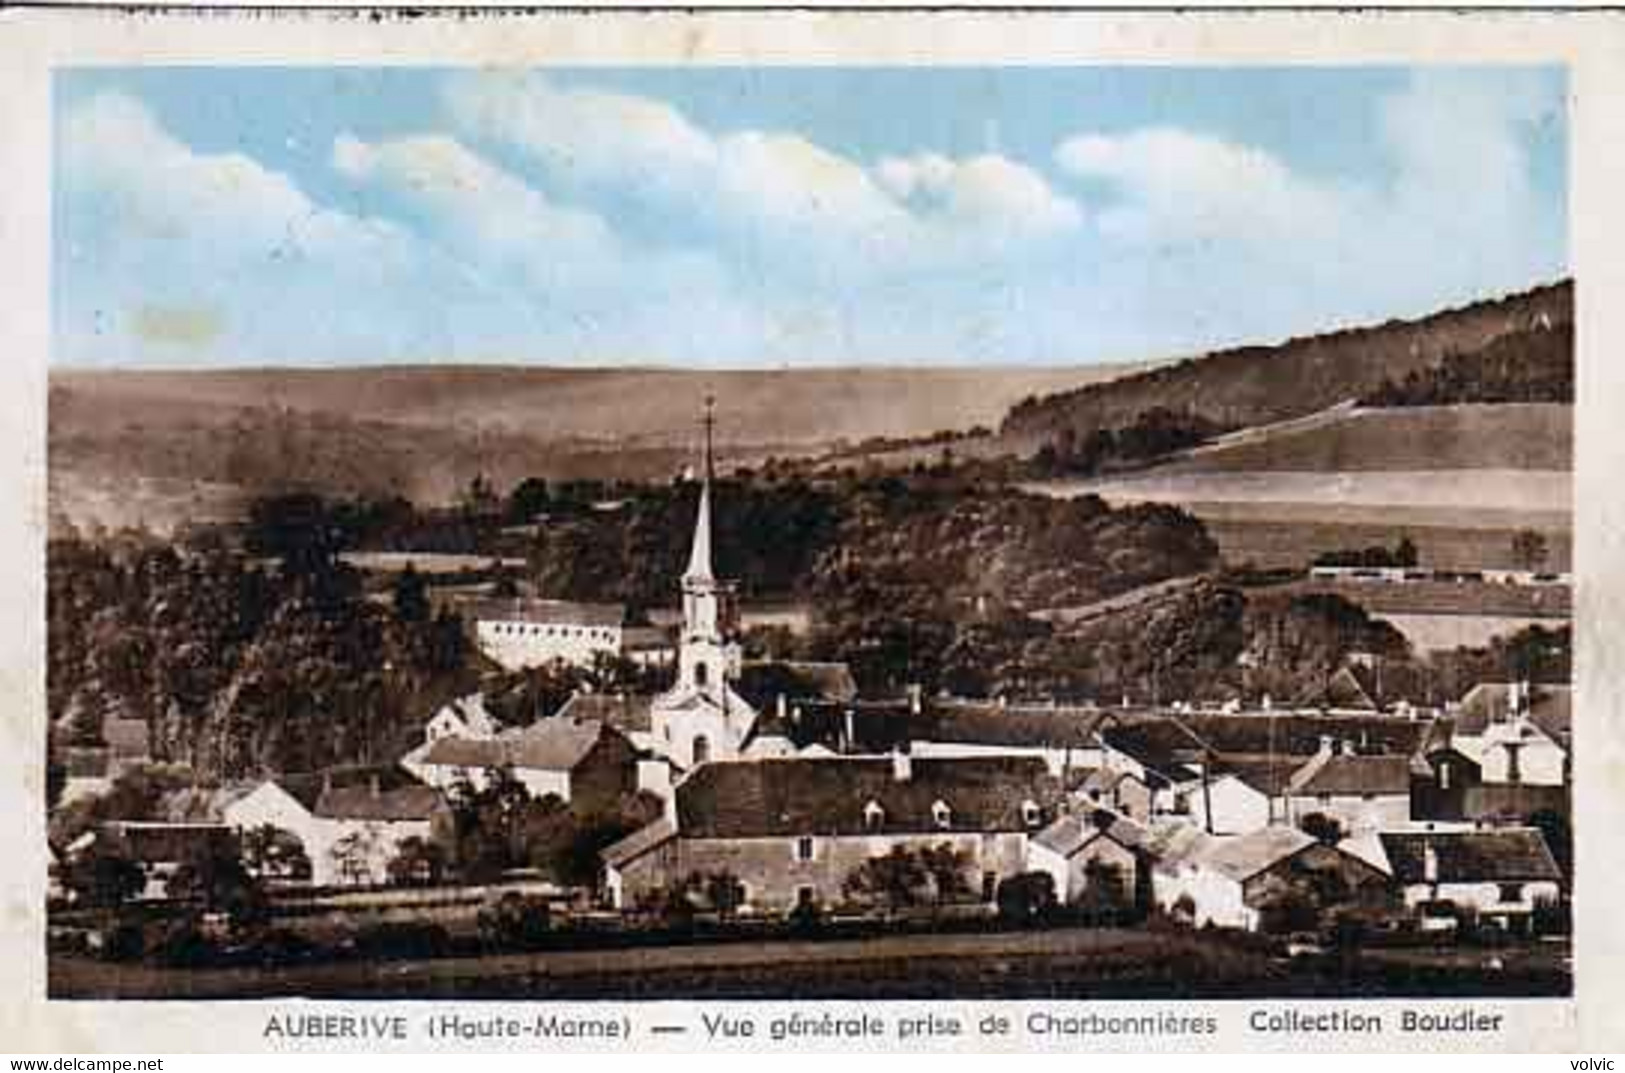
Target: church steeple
pixel 699 556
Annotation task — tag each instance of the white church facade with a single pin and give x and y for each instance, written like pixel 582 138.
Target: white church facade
pixel 702 718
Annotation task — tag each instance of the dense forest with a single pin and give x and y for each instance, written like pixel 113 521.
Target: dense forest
pixel 1536 365
pixel 1261 384
pixel 255 648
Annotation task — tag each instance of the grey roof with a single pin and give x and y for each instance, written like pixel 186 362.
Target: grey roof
pixel 551 744
pixel 1550 708
pixel 627 712
pixel 1494 855
pixel 1299 734
pixel 546 612
pixel 829 796
pixel 1344 775
pixel 1244 856
pixel 1070 833
pixel 365 803
pixel 639 842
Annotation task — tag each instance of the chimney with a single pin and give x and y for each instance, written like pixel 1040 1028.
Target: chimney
pixel 902 765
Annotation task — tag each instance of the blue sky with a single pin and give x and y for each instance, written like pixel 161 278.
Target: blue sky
pixel 767 217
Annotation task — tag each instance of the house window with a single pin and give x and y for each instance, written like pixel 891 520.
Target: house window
pixel 804 848
pixel 701 751
pixel 990 885
pixel 701 673
pixel 942 815
pixel 873 816
pixel 1030 814
pixel 1511 893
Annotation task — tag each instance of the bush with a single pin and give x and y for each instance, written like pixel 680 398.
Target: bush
pixel 402 939
pixel 1026 898
pixel 515 921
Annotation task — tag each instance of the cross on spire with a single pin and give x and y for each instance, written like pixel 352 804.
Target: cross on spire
pixel 710 423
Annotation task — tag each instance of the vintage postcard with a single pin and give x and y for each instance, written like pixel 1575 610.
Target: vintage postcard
pixel 789 530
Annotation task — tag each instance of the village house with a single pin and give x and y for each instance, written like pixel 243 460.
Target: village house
pixel 349 831
pixel 1361 793
pixel 794 831
pixel 1081 849
pixel 1497 728
pixel 1231 882
pixel 1122 792
pixel 587 764
pixel 1230 802
pixel 1502 873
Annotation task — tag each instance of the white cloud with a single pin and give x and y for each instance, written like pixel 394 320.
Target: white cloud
pixel 1178 185
pixel 1449 213
pixel 987 189
pixel 819 210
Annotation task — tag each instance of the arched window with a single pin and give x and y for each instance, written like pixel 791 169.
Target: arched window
pixel 873 816
pixel 701 750
pixel 702 672
pixel 942 815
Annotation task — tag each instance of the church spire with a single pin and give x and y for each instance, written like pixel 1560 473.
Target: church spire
pixel 699 557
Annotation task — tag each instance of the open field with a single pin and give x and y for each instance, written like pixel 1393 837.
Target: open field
pixel 1062 963
pixel 1441 633
pixel 1533 436
pixel 1487 498
pixel 1459 519
pixel 648 405
pixel 1269 541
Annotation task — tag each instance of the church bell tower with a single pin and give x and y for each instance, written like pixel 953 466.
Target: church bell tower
pixel 708 655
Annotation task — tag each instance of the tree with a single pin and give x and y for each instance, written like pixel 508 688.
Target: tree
pixel 271 852
pixel 211 876
pixel 411 596
pixel 1026 897
pixel 895 879
pixel 352 855
pixel 725 893
pixel 1105 890
pixel 1529 548
pixel 417 862
pixel 1322 828
pixel 104 877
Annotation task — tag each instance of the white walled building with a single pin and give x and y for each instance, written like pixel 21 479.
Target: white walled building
pixel 526 632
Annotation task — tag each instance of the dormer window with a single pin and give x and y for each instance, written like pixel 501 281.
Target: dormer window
pixel 1031 815
pixel 942 815
pixel 873 816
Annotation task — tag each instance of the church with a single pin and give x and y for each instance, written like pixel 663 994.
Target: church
pixel 703 717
